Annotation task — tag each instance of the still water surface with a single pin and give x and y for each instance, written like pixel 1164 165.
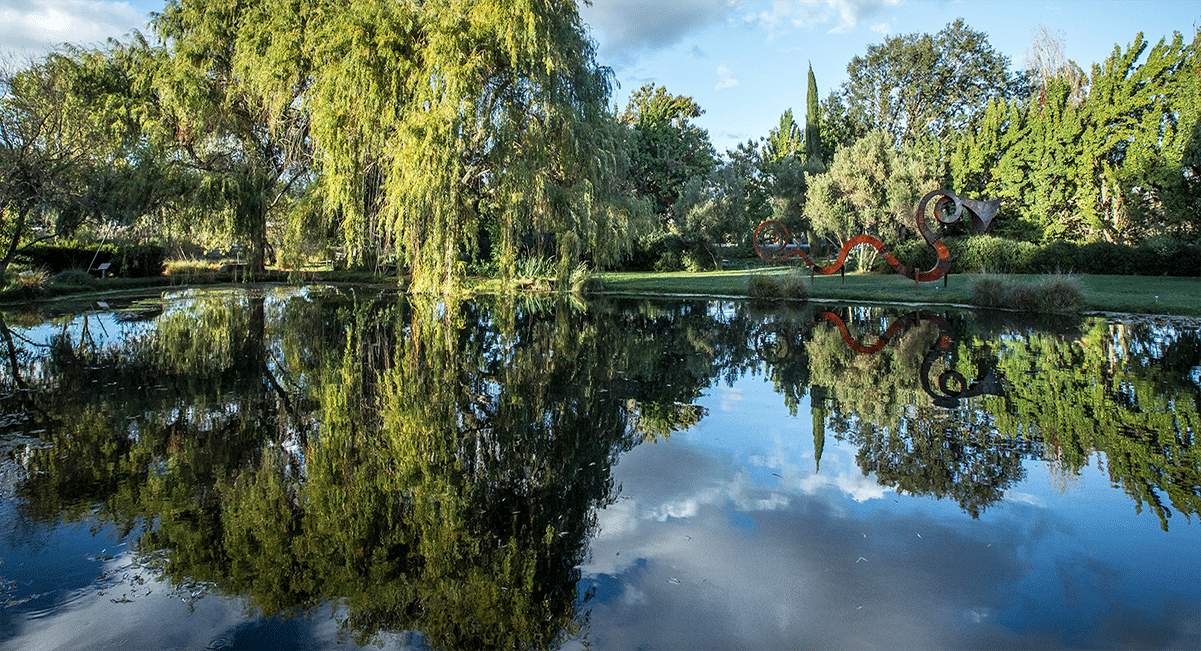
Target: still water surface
pixel 334 467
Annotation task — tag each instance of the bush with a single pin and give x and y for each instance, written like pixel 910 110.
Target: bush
pixel 125 260
pixel 915 254
pixel 1107 258
pixel 1164 255
pixel 792 285
pixel 1055 294
pixel 1060 293
pixel 77 277
pixel 1054 257
pixel 583 281
pixel 985 253
pixel 659 251
pixel 989 291
pixel 669 261
pixel 761 286
pixel 795 284
pixel 32 284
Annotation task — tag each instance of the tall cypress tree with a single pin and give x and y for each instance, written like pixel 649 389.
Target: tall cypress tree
pixel 813 141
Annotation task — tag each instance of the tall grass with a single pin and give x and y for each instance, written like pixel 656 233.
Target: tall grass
pixel 1055 293
pixel 32 283
pixel 792 285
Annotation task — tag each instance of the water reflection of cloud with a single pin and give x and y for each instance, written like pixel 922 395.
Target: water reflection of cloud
pixel 857 486
pixel 810 571
pixel 1024 498
pixel 730 397
pixel 120 613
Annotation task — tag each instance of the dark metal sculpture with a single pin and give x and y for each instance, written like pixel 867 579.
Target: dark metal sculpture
pixel 774 244
pixel 951 385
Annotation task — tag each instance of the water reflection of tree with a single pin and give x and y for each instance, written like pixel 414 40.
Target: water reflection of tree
pixel 435 466
pixel 1125 391
pixel 876 402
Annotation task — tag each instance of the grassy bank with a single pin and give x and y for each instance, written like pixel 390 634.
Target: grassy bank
pixel 1139 294
pixel 1134 294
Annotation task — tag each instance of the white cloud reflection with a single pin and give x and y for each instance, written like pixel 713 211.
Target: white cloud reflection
pixel 705 549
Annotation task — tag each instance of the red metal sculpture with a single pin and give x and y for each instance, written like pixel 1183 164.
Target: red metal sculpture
pixel 773 243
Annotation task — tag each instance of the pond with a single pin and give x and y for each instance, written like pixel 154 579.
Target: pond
pixel 337 467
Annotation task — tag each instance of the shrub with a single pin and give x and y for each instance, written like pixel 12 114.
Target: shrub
pixel 1053 257
pixel 32 283
pixel 77 277
pixel 762 286
pixel 1060 293
pixel 794 285
pixel 1165 255
pixel 915 254
pixel 979 253
pixel 1106 258
pixel 126 260
pixel 583 281
pixel 1056 294
pixel 695 261
pixel 989 291
pixel 669 261
pixel 649 253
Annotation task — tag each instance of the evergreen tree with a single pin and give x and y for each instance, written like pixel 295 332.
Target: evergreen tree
pixel 813 143
pixel 1112 166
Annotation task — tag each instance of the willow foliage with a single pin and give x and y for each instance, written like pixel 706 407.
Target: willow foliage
pixel 436 124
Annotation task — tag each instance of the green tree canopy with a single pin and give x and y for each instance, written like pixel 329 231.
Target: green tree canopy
pixel 1113 165
pixel 871 187
pixel 62 161
pixel 248 148
pixel 436 122
pixel 922 87
pixel 666 149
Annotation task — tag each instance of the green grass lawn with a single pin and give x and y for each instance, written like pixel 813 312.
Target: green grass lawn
pixel 1136 294
pixel 1140 294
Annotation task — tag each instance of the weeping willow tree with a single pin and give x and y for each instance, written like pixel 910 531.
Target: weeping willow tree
pixel 449 128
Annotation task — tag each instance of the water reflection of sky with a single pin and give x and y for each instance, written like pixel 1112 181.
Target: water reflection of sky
pixel 725 536
pixel 77 586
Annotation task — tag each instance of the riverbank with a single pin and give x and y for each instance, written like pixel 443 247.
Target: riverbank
pixel 1168 295
pixel 1172 295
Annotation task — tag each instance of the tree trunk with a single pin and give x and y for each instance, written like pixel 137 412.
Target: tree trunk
pixel 16 241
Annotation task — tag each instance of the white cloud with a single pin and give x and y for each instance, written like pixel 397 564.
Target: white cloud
pixel 30 28
pixel 728 80
pixel 627 28
pixel 842 15
pixel 882 28
pixel 1024 498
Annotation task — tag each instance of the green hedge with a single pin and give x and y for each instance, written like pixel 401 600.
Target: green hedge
pixel 985 253
pixel 125 260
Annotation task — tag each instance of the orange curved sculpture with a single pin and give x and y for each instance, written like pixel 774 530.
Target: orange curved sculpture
pixel 774 244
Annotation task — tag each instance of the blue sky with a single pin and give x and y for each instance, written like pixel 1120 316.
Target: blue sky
pixel 743 62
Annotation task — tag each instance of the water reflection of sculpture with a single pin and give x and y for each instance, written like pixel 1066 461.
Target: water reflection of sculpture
pixel 868 396
pixel 951 383
pixel 774 244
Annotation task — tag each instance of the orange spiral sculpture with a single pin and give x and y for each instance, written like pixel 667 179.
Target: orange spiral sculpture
pixel 774 244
